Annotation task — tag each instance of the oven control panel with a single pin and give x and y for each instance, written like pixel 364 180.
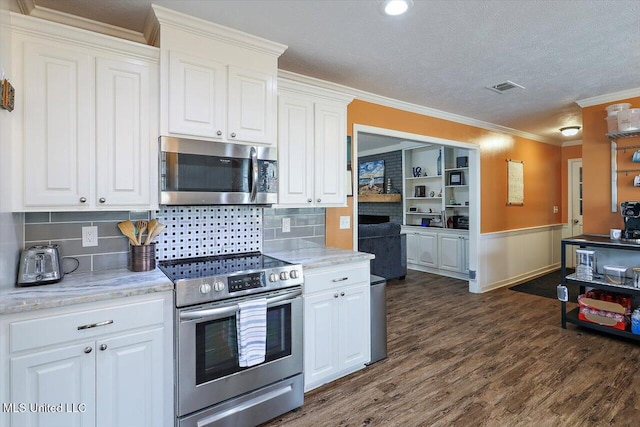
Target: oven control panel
pixel 243 282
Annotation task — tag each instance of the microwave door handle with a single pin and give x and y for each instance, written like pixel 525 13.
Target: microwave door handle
pixel 254 173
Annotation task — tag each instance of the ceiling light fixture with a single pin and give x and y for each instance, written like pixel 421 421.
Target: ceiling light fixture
pixel 570 130
pixel 396 7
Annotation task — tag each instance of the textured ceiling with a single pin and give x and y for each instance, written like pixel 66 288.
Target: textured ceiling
pixel 442 54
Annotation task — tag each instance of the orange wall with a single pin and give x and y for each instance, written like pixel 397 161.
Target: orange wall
pixel 571 152
pixel 596 171
pixel 542 169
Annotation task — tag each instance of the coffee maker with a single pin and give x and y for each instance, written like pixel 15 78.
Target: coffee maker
pixel 630 211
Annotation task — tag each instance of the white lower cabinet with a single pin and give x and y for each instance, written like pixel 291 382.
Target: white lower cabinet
pixel 337 325
pixel 439 251
pixel 100 364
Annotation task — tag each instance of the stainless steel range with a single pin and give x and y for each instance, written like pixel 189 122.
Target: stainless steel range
pixel 213 389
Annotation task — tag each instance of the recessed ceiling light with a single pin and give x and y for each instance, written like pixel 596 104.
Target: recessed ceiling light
pixel 570 130
pixel 396 7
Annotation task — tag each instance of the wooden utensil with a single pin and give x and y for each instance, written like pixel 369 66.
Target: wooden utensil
pixel 157 230
pixel 150 227
pixel 142 227
pixel 128 229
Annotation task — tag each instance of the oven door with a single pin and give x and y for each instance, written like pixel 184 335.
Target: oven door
pixel 207 363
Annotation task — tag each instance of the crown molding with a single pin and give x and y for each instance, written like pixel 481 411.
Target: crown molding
pixel 413 108
pixel 151 29
pixel 307 89
pixel 28 7
pixel 572 143
pixel 610 97
pixel 208 29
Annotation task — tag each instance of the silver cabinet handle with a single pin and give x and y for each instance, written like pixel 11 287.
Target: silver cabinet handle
pixel 102 200
pixel 103 347
pixel 335 295
pixel 342 279
pixel 341 294
pixel 319 200
pixel 309 200
pixel 233 134
pixel 219 133
pixel 95 325
pixel 83 199
pixel 87 350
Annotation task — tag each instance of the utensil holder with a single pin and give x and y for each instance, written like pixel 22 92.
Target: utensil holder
pixel 142 258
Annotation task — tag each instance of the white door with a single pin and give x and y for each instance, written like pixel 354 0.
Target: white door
pixel 59 376
pixel 575 206
pixel 330 154
pixel 129 372
pixel 252 106
pixel 57 127
pixel 295 150
pixel 197 96
pixel 428 250
pixel 450 258
pixel 321 341
pixel 355 326
pixel 122 133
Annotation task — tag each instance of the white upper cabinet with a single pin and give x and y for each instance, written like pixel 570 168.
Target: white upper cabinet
pixel 217 83
pixel 312 146
pixel 85 133
pixel 197 96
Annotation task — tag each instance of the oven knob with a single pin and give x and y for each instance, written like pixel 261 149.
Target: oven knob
pixel 273 277
pixel 218 286
pixel 284 275
pixel 205 288
pixel 294 274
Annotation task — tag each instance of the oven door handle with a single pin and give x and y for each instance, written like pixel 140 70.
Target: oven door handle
pixel 229 310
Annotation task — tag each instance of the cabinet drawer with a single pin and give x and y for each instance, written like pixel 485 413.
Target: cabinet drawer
pixel 336 277
pixel 86 324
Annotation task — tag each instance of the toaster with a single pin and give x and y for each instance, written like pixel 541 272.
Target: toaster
pixel 40 265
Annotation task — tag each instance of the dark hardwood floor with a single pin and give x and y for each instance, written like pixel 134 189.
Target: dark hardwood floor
pixel 494 359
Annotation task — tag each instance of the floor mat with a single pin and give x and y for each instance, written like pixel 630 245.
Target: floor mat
pixel 545 286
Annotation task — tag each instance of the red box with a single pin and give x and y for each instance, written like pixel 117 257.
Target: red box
pixel 605 308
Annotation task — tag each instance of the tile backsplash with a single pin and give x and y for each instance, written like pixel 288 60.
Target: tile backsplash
pixel 191 231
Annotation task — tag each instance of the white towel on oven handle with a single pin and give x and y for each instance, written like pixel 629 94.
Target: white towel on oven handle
pixel 251 323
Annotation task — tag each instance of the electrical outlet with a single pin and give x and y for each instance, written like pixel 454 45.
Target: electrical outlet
pixel 89 236
pixel 345 222
pixel 286 225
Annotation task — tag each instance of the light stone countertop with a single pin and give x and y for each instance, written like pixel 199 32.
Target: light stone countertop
pixel 320 257
pixel 83 287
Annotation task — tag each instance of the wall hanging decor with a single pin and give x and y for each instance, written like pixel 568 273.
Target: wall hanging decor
pixel 371 177
pixel 515 182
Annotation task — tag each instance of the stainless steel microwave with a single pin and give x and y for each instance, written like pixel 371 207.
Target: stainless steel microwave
pixel 194 172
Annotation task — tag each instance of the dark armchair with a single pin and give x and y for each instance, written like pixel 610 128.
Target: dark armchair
pixel 388 245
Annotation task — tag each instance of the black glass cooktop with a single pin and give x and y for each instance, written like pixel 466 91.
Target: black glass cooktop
pixel 195 268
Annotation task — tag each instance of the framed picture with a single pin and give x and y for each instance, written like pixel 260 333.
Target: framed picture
pixel 455 178
pixel 371 177
pixel 420 191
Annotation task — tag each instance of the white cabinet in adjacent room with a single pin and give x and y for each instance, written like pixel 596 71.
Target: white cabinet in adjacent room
pixel 442 251
pixel 86 108
pixel 106 363
pixel 422 247
pixel 337 329
pixel 450 248
pixel 217 83
pixel 312 149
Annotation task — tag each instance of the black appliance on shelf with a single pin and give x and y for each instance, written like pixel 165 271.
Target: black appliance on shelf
pixel 460 221
pixel 630 211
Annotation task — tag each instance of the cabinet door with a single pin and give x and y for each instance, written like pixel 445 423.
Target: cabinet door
pixel 252 106
pixel 130 379
pixel 330 159
pixel 295 150
pixel 355 326
pixel 428 249
pixel 197 96
pixel 58 105
pixel 123 133
pixel 450 248
pixel 412 247
pixel 59 376
pixel 321 341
